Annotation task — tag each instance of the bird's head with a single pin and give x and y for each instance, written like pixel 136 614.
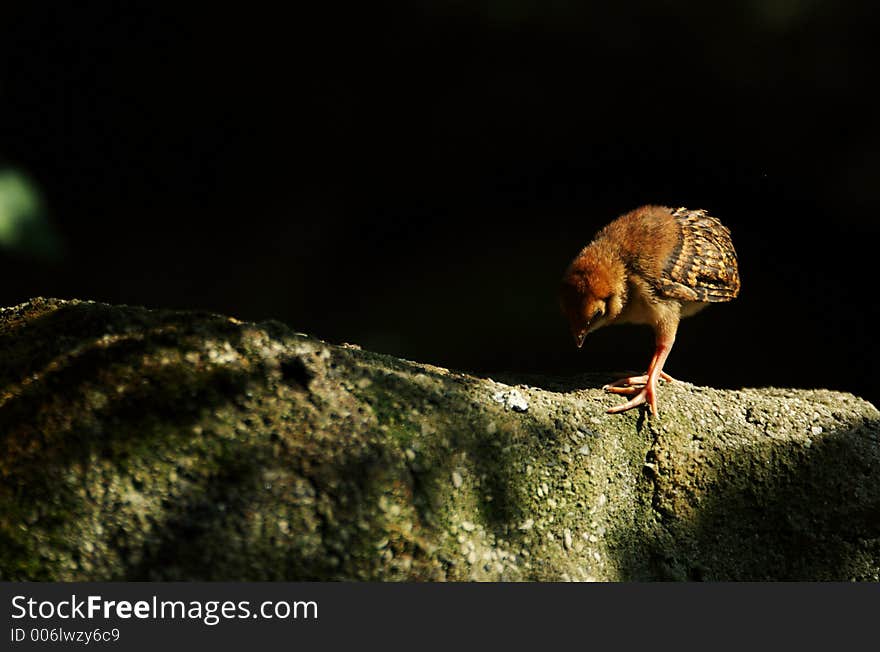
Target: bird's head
pixel 593 291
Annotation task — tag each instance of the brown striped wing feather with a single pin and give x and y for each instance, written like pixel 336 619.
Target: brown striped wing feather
pixel 703 266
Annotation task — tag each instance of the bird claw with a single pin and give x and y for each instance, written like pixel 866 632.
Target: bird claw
pixel 630 381
pixel 641 391
pixel 645 396
pixel 626 382
pixel 628 391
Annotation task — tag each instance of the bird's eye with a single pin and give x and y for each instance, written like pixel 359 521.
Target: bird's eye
pixel 596 315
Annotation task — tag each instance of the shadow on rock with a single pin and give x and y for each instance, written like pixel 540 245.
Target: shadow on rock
pixel 781 511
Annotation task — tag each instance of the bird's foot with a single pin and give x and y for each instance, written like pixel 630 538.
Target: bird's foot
pixel 632 384
pixel 645 395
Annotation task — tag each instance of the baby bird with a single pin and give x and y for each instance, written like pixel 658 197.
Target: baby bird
pixel 652 266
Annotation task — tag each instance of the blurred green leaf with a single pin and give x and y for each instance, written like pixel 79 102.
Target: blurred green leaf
pixel 24 226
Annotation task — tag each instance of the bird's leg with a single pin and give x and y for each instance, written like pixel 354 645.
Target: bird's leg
pixel 647 393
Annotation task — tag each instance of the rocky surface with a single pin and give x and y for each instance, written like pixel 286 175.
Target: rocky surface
pixel 158 445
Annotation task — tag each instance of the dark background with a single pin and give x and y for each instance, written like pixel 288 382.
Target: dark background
pixel 415 177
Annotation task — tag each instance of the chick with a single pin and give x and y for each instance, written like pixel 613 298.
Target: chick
pixel 652 266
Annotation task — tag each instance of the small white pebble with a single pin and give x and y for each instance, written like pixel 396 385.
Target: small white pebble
pixel 512 400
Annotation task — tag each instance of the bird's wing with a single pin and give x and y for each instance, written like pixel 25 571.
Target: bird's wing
pixel 702 267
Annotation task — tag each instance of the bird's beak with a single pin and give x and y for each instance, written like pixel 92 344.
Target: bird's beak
pixel 579 339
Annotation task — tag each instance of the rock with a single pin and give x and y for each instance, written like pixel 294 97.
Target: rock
pixel 512 400
pixel 157 445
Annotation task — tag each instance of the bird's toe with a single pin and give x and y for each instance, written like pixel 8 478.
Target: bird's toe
pixel 635 401
pixel 627 381
pixel 628 391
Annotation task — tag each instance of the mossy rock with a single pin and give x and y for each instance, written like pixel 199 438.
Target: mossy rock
pixel 157 445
